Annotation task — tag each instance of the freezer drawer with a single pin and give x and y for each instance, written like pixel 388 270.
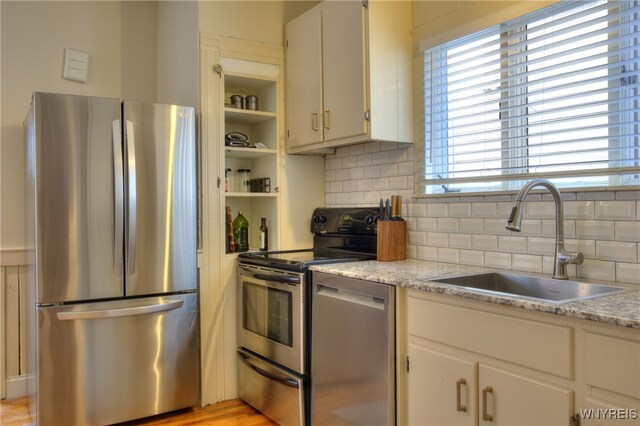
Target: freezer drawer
pixel 270 389
pixel 103 363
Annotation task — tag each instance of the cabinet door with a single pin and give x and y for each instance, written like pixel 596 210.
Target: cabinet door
pixel 512 399
pixel 304 79
pixel 344 69
pixel 435 379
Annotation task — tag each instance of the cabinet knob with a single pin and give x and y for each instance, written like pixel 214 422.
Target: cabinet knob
pixel 459 406
pixel 486 416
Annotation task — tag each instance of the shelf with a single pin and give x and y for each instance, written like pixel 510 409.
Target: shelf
pixel 246 116
pixel 250 194
pixel 239 152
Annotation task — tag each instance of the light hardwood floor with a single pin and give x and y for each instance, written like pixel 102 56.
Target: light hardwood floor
pixel 228 413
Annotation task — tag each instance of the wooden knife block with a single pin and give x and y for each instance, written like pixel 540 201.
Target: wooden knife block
pixel 392 240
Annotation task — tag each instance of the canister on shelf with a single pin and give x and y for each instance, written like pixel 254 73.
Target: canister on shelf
pixel 227 177
pixel 251 102
pixel 244 176
pixel 236 101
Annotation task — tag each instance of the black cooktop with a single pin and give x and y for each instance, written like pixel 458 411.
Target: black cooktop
pixel 300 260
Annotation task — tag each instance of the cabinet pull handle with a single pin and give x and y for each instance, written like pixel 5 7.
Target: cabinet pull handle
pixel 314 121
pixel 459 384
pixel 325 118
pixel 486 416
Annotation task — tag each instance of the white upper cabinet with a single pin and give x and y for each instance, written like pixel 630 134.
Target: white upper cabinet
pixel 348 75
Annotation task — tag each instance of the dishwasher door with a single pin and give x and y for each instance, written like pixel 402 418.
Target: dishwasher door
pixel 352 352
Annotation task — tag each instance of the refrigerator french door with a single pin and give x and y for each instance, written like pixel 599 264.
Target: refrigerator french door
pixel 111 215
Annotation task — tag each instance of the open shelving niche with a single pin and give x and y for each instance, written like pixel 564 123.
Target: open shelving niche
pixel 259 126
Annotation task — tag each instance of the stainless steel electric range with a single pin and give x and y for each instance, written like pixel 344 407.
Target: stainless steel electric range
pixel 274 314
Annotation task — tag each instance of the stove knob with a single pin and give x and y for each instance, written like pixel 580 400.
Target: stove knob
pixel 323 219
pixel 368 220
pixel 316 219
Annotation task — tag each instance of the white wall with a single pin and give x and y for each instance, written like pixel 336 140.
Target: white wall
pixel 120 39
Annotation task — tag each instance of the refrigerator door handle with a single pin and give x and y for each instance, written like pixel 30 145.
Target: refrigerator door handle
pixel 118 195
pixel 131 198
pixel 124 312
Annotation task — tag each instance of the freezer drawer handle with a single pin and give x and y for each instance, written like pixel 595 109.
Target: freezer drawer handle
pixel 125 312
pixel 287 382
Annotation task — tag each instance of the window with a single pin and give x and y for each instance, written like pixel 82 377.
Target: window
pixel 552 94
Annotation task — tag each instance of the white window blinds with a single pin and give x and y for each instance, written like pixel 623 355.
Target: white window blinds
pixel 552 94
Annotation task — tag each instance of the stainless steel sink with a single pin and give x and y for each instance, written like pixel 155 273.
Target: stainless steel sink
pixel 532 287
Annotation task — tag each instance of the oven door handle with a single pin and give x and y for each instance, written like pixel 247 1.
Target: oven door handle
pixel 283 279
pixel 285 381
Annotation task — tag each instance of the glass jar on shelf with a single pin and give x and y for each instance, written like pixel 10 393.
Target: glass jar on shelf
pixel 244 176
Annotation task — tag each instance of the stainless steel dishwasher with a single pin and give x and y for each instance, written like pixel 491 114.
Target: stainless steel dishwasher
pixel 352 352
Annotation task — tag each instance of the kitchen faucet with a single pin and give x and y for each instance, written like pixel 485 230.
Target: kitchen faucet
pixel 562 257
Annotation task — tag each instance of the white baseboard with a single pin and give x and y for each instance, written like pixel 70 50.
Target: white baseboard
pixel 16 387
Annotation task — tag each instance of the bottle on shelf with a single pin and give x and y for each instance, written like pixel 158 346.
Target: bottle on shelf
pixel 241 233
pixel 227 178
pixel 264 235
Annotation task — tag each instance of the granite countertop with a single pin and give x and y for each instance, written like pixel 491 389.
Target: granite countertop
pixel 622 309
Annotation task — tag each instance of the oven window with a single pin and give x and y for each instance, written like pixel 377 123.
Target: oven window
pixel 268 313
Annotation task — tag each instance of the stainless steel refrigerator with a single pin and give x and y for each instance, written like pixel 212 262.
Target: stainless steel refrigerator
pixel 111 216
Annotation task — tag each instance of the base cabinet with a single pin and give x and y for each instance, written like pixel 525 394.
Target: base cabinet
pixel 448 390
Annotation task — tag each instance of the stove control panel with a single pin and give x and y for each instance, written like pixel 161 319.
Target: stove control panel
pixel 347 220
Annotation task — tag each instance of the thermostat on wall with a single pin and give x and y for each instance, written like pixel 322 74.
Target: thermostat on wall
pixel 76 65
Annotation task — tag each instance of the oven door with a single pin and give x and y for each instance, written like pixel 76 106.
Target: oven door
pixel 271 319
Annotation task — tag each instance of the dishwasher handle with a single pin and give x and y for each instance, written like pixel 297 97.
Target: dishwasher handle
pixel 122 312
pixel 351 296
pixel 283 380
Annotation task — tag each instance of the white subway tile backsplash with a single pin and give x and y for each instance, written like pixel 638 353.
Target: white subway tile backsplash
pixel 437 239
pixel 448 255
pixel 372 171
pixel 437 210
pixel 595 229
pixel 627 231
pixel 540 210
pixel 628 195
pixel 417 238
pixel 496 227
pixel 541 246
pixel 349 185
pixel 628 273
pixel 597 270
pixel 416 209
pixel 549 228
pixel 428 253
pixel 484 242
pixel 380 184
pixel 586 247
pixel 616 251
pixel 462 241
pixel 579 209
pixel 472 226
pixel 497 260
pixel 459 209
pixel 512 244
pixel 596 196
pixel 472 257
pixel 604 226
pixel 484 210
pixel 446 224
pixel 528 263
pixel 615 210
pixel 398 182
pixel 427 224
pixel 356 149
